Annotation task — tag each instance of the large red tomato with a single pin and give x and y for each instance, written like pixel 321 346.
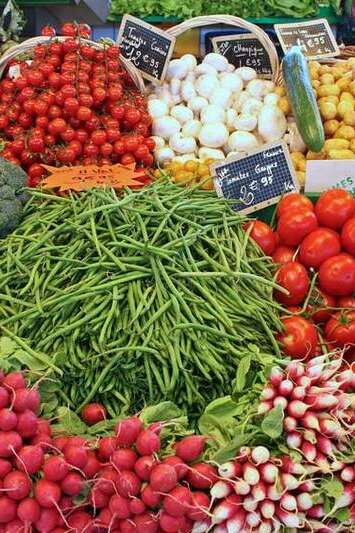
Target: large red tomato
pixel 293 277
pixel 284 254
pixel 299 339
pixel 340 329
pixel 337 275
pixel 318 246
pixel 348 236
pixel 293 202
pixel 292 227
pixel 263 235
pixel 322 307
pixel 334 208
pixel 346 301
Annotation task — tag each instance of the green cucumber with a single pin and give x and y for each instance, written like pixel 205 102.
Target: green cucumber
pixel 302 99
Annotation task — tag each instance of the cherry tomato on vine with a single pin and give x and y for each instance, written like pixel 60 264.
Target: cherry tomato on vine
pixel 346 302
pixel 340 329
pixel 299 339
pixel 321 307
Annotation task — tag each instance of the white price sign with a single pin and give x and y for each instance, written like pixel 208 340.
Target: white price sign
pixel 324 175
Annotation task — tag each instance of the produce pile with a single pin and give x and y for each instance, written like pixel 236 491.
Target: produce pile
pixel 72 104
pixel 316 251
pixel 152 295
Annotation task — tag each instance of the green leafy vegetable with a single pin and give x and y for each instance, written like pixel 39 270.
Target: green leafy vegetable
pixel 272 423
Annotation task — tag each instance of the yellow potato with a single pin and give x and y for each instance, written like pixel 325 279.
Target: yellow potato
pixel 315 65
pixel 352 145
pixel 183 176
pixel 351 62
pixel 339 71
pixel 328 110
pixel 191 165
pixel 345 132
pixel 301 177
pixel 314 73
pixel 207 185
pixel 352 88
pixel 302 165
pixel 336 144
pixel 284 105
pixel 324 69
pixel 341 154
pixel 333 99
pixel 331 126
pixel 311 156
pixel 327 79
pixel 347 97
pixel 329 90
pixel 343 107
pixel 157 173
pixel 297 158
pixel 316 84
pixel 203 170
pixel 343 82
pixel 280 91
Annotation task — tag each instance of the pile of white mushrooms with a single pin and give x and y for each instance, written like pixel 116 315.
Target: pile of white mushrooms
pixel 212 110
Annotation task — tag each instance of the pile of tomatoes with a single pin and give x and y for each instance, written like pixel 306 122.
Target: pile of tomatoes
pixel 314 246
pixel 73 104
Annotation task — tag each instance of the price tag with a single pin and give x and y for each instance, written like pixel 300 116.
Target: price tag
pixel 315 38
pixel 147 47
pixel 257 180
pixel 244 51
pixel 324 175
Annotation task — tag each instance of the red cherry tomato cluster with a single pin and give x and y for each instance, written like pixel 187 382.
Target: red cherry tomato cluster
pixel 314 241
pixel 73 105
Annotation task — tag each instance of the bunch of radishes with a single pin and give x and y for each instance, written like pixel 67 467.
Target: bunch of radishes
pixel 318 407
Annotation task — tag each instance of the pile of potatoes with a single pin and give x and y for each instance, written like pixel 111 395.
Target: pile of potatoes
pixel 334 86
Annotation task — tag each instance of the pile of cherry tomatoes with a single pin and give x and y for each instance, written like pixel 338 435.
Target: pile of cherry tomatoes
pixel 73 104
pixel 314 246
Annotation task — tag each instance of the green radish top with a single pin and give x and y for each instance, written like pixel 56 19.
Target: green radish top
pixel 302 98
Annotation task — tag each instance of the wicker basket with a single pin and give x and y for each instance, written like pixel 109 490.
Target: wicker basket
pixel 30 44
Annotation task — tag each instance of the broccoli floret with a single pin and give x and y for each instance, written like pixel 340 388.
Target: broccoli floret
pixel 12 175
pixel 7 193
pixel 10 215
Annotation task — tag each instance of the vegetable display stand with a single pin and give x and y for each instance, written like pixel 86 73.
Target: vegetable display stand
pixel 29 45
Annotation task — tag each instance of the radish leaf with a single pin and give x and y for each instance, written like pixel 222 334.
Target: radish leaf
pixel 272 425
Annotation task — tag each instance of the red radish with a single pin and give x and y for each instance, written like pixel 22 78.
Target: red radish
pixel 43 426
pixel 17 484
pixel 249 504
pixel 259 491
pixel 97 499
pixel 226 509
pixel 288 502
pixel 244 454
pixel 147 442
pixel 5 468
pixel 295 370
pixel 156 427
pixel 34 401
pixel 288 519
pixel 128 484
pixel 8 420
pixel 106 520
pixel 72 484
pixel 27 424
pixel 298 393
pixel 323 402
pixel 92 466
pixel 137 506
pixel 289 481
pixel 276 376
pixel 179 465
pixel 8 509
pixel 269 472
pixel 124 459
pixel 127 526
pixel 43 440
pixel 20 400
pixel 163 478
pixel 241 487
pixel 146 523
pixel 15 526
pixel 310 421
pixel 30 459
pixel 230 470
pixel 281 401
pixel 143 466
pixel 47 493
pixel 304 501
pixel 346 499
pixel 266 527
pixel 201 476
pixel 267 509
pixel 60 443
pixel 297 409
pixel 317 511
pixel 76 441
pixel 294 440
pixel 190 448
pixel 260 455
pixel 268 393
pixel 66 503
pixel 119 506
pixel 14 380
pixel 251 474
pixel 107 480
pixel 290 424
pixel 55 468
pixel 286 387
pixel 177 502
pixel 150 497
pixel 28 510
pixel 253 519
pixel 107 446
pixel 128 430
pixel 264 407
pixel 4 398
pixel 307 486
pixel 76 455
pixel 331 428
pixel 348 474
pixel 236 523
pixel 47 521
pixel 93 413
pixel 79 521
pixel 305 381
pixel 200 503
pixel 220 490
pixel 9 441
pixel 291 467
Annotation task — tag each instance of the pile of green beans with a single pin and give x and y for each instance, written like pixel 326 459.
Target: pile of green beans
pixel 138 297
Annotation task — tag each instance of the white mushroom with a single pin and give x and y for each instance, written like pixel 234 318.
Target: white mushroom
pixel 210 153
pixel 157 108
pixel 212 114
pixel 206 84
pixel 166 127
pixel 221 97
pixel 182 145
pixel 177 69
pixel 203 68
pixel 164 155
pixel 188 91
pixel 231 116
pixel 246 73
pixel 189 60
pixel 256 88
pixel 246 123
pixel 271 99
pixel 242 141
pixel 175 86
pixel 272 123
pixel 217 61
pixel 197 103
pixel 184 158
pixel 191 128
pixel 181 113
pixel 232 82
pixel 252 106
pixel 159 141
pixel 213 135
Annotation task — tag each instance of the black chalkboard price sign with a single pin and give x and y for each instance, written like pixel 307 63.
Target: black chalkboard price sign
pixel 315 38
pixel 147 47
pixel 244 50
pixel 256 180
